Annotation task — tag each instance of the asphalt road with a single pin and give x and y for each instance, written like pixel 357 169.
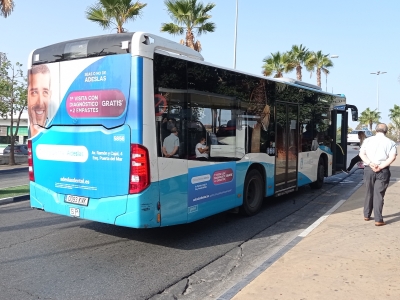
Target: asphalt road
pixel 46 256
pixel 14 177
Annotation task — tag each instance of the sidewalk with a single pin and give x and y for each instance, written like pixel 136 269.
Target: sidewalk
pixel 345 257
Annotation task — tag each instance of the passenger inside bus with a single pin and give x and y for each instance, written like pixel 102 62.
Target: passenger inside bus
pixel 202 150
pixel 171 144
pixel 307 138
pixel 164 130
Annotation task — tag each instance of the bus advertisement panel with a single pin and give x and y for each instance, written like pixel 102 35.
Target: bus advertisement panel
pixel 91 94
pixel 211 182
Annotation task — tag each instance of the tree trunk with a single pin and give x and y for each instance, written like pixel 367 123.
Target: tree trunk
pixel 298 72
pixel 189 39
pixel 319 77
pixel 11 159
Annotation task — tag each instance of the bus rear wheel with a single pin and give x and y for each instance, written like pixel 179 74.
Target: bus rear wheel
pixel 253 195
pixel 320 175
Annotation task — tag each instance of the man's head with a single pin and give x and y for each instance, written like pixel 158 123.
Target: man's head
pixel 381 127
pixel 39 95
pixel 202 140
pixel 174 130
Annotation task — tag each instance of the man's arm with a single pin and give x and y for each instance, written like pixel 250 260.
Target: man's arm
pixel 386 163
pixel 363 155
pixel 365 158
pixel 174 151
pixel 176 146
pixel 202 150
pixel 164 151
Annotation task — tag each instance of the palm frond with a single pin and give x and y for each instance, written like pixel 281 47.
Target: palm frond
pixel 98 15
pixel 135 10
pixel 275 64
pixel 114 12
pixel 188 15
pixel 6 7
pixel 207 27
pixel 197 46
pixel 208 7
pixel 172 28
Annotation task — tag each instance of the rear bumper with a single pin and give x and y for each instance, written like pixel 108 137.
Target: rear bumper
pixel 136 211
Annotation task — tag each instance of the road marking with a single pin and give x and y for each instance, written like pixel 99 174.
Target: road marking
pixel 229 294
pixel 321 219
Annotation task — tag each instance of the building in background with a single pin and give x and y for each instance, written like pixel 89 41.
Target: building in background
pixel 5 128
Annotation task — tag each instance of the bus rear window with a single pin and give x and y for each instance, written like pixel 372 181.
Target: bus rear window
pixel 75 50
pixel 103 45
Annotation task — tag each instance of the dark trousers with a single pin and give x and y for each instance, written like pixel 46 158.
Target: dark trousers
pixel 353 161
pixel 376 184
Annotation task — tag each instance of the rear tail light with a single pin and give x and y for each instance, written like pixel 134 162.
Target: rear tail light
pixel 30 161
pixel 140 169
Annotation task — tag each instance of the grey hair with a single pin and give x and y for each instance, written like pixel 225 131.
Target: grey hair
pixel 381 127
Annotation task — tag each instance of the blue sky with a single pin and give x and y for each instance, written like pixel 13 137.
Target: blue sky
pixel 365 35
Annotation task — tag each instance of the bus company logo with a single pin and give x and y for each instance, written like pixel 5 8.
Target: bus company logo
pixel 201 178
pixel 119 138
pixel 222 176
pixel 192 209
pixel 69 153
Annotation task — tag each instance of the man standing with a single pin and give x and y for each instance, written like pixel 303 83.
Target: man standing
pixel 171 144
pixel 39 95
pixel 377 153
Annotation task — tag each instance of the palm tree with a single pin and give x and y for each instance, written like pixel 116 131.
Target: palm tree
pixel 319 61
pixel 395 117
pixel 109 13
pixel 190 16
pixel 298 56
pixel 369 117
pixel 277 64
pixel 6 7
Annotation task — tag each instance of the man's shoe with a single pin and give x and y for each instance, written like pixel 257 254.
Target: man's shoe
pixel 367 219
pixel 380 223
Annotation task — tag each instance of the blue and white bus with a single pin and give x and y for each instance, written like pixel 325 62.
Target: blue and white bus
pixel 101 109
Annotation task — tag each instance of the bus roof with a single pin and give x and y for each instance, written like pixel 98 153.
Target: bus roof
pixel 85 47
pixel 136 43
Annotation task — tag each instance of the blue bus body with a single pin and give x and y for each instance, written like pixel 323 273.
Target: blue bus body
pixel 98 155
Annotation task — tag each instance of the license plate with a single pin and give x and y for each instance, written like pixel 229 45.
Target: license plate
pixel 77 200
pixel 74 212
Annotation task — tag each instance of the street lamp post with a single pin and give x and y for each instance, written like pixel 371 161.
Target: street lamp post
pixel 377 87
pixel 326 77
pixel 234 48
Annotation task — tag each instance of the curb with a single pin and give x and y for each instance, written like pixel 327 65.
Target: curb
pixel 14 199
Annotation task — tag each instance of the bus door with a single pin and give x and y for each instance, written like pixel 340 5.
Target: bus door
pixel 339 140
pixel 287 141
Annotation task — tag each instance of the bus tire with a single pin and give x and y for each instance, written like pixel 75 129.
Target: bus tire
pixel 320 175
pixel 253 195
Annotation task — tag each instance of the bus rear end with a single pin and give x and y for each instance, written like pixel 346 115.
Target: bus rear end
pixel 85 120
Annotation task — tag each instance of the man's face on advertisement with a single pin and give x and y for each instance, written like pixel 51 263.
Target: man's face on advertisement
pixel 39 95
